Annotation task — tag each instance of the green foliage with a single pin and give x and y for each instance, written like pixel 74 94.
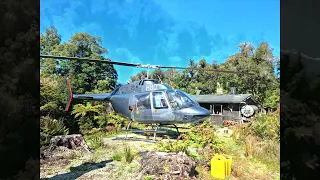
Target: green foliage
pixel 273 98
pixel 267 126
pixel 128 155
pixel 176 146
pixel 94 141
pixel 86 113
pixel 117 157
pixel 147 177
pixel 50 127
pixel 199 136
pixel 117 120
pixel 204 135
pixel 260 139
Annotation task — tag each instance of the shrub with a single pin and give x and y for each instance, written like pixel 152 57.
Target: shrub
pixel 50 127
pixel 267 126
pixel 117 120
pixel 176 146
pixel 204 135
pixel 200 136
pixel 117 157
pixel 94 141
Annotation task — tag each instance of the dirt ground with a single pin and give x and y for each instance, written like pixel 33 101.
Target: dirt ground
pixel 73 164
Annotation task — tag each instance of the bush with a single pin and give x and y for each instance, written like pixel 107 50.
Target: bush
pixel 116 157
pixel 267 126
pixel 50 127
pixel 94 141
pixel 117 120
pixel 261 138
pixel 200 136
pixel 176 146
pixel 203 135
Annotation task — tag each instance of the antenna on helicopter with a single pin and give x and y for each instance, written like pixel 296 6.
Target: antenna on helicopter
pixel 160 79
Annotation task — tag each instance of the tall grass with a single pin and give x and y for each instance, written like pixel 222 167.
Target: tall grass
pixel 260 138
pixel 128 155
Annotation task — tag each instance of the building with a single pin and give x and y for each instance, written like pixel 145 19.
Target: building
pixel 235 107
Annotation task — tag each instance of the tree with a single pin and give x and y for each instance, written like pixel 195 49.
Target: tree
pixel 158 74
pixel 48 43
pixel 86 75
pixel 141 75
pixel 260 63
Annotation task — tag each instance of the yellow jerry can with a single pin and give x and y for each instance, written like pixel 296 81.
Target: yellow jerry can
pixel 221 166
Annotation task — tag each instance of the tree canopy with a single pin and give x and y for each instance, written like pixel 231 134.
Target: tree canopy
pixel 263 82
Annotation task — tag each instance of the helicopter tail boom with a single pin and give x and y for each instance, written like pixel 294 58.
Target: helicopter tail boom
pixel 94 97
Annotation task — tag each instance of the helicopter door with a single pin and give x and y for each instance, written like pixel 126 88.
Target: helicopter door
pixel 161 111
pixel 143 112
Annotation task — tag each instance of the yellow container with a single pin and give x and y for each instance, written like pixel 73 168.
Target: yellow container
pixel 221 166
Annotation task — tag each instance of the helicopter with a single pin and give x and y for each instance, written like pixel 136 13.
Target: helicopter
pixel 146 101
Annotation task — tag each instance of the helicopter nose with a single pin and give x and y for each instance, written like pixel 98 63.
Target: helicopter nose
pixel 195 113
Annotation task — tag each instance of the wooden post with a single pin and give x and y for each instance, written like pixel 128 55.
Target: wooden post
pixel 213 110
pixel 221 109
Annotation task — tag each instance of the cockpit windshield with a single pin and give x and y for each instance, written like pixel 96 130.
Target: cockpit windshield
pixel 179 100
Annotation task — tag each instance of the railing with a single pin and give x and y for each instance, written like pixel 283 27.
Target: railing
pixel 219 118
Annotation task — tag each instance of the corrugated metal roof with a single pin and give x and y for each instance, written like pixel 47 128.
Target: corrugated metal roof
pixel 222 98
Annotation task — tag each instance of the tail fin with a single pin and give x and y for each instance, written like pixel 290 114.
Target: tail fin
pixel 69 95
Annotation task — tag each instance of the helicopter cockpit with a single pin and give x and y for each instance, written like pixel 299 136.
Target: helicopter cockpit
pixel 180 100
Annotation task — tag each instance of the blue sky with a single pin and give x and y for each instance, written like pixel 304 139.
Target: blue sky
pixel 166 32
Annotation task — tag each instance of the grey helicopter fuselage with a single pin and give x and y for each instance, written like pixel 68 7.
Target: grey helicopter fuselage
pixel 147 101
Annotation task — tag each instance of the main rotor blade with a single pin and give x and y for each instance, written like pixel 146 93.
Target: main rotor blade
pixel 92 60
pixel 138 65
pixel 215 70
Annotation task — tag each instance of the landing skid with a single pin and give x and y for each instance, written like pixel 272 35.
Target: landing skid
pixel 155 131
pixel 134 139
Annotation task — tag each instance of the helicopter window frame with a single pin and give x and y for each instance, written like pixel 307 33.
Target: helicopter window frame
pixel 166 106
pixel 143 102
pixel 116 90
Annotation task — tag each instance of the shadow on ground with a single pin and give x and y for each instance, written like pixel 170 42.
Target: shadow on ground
pixel 76 172
pixel 163 132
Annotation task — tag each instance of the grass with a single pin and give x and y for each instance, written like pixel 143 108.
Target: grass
pixel 251 160
pixel 117 157
pixel 128 155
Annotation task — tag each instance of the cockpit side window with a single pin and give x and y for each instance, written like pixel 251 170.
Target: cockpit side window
pixel 159 101
pixel 143 102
